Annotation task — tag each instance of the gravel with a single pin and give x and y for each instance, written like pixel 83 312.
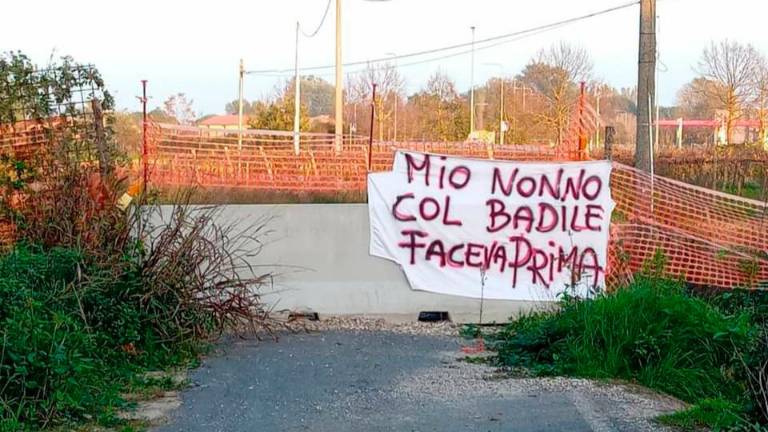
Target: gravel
pixel 362 324
pixel 605 406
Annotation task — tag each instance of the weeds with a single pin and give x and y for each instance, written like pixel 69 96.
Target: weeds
pixel 92 296
pixel 653 332
pixel 204 268
pixel 717 414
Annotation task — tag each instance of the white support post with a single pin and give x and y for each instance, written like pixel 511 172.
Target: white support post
pixel 296 98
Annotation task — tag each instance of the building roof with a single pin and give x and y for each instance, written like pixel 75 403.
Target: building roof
pixel 707 123
pixel 322 118
pixel 223 120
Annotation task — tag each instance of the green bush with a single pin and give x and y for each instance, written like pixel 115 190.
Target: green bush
pixel 653 332
pixel 79 324
pixel 66 326
pixel 92 293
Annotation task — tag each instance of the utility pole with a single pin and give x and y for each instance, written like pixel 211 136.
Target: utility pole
pixel 396 98
pixel 397 94
pixel 240 109
pixel 514 109
pixel 339 121
pixel 502 125
pixel 646 84
pixel 370 136
pixel 472 87
pixel 296 97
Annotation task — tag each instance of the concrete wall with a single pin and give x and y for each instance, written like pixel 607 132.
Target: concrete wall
pixel 320 253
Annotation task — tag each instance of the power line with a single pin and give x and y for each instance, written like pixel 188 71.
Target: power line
pixel 428 60
pixel 462 45
pixel 319 26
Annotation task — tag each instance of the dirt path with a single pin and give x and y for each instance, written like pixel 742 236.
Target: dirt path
pixel 385 381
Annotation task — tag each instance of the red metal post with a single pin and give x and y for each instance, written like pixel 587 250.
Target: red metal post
pixel 144 153
pixel 582 127
pixel 370 138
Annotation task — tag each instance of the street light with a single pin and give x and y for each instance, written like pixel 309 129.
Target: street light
pixel 472 87
pixel 502 124
pixel 339 120
pixel 397 95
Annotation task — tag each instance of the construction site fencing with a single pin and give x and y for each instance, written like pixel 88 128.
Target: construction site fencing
pixel 708 237
pixel 55 110
pixel 737 169
pixel 267 160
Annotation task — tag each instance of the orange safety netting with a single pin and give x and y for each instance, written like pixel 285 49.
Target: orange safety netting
pixel 266 160
pixel 709 238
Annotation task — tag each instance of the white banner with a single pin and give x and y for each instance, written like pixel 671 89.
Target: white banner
pixel 497 229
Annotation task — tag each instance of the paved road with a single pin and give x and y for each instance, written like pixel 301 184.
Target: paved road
pixel 369 381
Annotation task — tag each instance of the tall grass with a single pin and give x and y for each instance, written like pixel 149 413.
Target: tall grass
pixel 77 328
pixel 653 332
pixel 91 296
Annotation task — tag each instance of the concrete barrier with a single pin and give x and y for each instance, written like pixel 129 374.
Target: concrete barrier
pixel 320 255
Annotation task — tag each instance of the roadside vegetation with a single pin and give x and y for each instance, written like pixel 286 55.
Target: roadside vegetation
pixel 97 288
pixel 706 349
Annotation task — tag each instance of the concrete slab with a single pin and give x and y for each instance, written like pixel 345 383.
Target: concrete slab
pixel 319 254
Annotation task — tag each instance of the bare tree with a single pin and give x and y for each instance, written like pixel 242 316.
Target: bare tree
pixel 555 72
pixel 180 108
pixel 732 67
pixel 695 99
pixel 389 87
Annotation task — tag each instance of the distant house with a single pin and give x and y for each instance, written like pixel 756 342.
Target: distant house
pixel 322 124
pixel 229 121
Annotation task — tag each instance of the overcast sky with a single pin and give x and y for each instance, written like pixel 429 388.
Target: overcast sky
pixel 194 46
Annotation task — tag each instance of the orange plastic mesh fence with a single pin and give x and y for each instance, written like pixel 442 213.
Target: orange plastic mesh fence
pixel 266 159
pixel 23 140
pixel 708 237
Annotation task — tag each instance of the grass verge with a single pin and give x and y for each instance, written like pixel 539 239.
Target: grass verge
pixel 655 333
pixel 75 338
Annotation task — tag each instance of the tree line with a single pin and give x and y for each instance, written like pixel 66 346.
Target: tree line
pixel 537 102
pixel 731 83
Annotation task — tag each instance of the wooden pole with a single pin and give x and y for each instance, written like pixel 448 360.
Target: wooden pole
pixel 105 164
pixel 646 83
pixel 610 134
